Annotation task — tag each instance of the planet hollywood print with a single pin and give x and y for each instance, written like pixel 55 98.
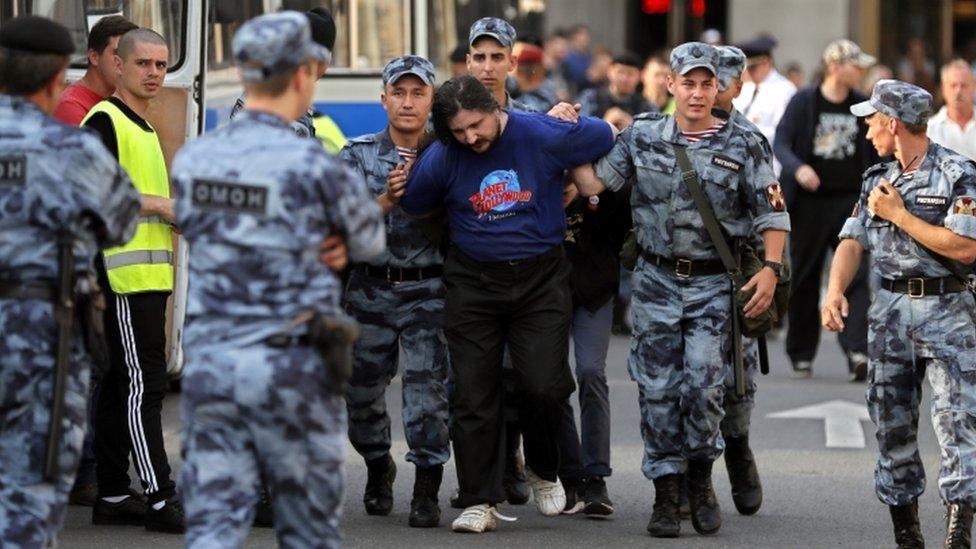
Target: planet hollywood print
pixel 499 193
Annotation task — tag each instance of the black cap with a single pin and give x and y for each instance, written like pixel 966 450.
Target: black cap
pixel 35 34
pixel 761 45
pixel 629 59
pixel 323 27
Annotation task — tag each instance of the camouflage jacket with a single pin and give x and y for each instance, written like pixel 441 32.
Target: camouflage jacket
pixel 941 192
pixel 735 171
pixel 254 202
pixel 408 240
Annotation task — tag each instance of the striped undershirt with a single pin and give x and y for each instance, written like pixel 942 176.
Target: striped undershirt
pixel 694 137
pixel 407 154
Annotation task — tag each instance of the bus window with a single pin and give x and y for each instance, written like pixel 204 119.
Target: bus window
pixel 163 16
pixel 370 32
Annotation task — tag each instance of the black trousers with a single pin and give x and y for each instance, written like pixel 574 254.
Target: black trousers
pixel 527 306
pixel 816 221
pixel 130 399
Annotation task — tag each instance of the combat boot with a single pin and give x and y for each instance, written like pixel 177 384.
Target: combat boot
pixel 959 521
pixel 665 522
pixel 706 515
pixel 424 509
pixel 380 474
pixel 904 518
pixel 264 511
pixel 743 475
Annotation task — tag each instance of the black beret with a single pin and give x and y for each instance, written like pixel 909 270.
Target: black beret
pixel 323 27
pixel 35 34
pixel 761 45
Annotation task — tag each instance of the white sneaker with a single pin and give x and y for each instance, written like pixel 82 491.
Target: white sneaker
pixel 550 498
pixel 476 519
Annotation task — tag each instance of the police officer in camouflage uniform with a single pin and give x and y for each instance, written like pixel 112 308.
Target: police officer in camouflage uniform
pixel 398 299
pixel 921 321
pixel 324 33
pixel 681 347
pixel 55 181
pixel 255 201
pixel 739 460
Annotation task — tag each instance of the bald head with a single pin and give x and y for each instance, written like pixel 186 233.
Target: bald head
pixel 127 43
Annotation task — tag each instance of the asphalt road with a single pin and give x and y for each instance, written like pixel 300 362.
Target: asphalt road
pixel 814 496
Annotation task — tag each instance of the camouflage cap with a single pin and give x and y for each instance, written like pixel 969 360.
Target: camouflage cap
pixel 731 63
pixel 845 51
pixel 408 64
pixel 274 43
pixel 499 29
pixel 906 102
pixel 693 55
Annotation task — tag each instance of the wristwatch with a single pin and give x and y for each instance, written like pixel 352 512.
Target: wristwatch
pixel 776 267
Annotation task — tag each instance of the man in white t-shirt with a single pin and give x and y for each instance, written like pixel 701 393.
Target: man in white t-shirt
pixel 954 126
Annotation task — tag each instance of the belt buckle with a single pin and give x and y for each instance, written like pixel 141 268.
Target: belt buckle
pixel 389 274
pixel 682 268
pixel 912 293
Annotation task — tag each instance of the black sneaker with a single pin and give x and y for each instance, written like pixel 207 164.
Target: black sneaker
pixel 857 366
pixel 802 369
pixel 170 518
pixel 574 489
pixel 596 502
pixel 129 511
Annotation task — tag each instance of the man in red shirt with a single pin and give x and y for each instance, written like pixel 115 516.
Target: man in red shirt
pixel 99 80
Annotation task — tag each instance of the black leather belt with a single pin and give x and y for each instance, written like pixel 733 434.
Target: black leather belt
pixel 283 341
pixel 921 287
pixel 26 290
pixel 684 268
pixel 397 275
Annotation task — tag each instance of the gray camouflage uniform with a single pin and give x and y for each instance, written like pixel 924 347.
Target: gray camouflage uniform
pixel 254 202
pixel 738 409
pixel 394 313
pixel 913 337
pixel 55 178
pixel 681 350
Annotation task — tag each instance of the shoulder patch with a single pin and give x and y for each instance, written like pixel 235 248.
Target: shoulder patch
pixel 964 205
pixel 229 196
pixel 13 171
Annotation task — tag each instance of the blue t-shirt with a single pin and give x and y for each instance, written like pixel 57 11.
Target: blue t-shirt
pixel 506 203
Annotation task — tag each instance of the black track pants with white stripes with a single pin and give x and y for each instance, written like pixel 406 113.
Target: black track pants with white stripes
pixel 131 398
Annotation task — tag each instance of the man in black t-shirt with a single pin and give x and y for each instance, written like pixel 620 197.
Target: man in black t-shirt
pixel 823 150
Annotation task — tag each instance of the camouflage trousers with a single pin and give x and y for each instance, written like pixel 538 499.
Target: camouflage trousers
pixel 408 315
pixel 261 416
pixel 679 357
pixel 32 509
pixel 738 409
pixel 909 339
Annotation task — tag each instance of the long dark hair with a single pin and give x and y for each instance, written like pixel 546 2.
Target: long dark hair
pixel 464 92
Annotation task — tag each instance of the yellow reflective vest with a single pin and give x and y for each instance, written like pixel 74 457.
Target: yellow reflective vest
pixel 145 263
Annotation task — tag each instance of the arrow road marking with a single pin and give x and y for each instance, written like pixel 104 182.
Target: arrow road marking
pixel 842 421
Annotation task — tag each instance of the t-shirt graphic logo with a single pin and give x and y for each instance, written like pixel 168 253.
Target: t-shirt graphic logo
pixel 499 192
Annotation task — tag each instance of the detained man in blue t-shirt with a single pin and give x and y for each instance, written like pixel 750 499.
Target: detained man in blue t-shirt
pixel 499 176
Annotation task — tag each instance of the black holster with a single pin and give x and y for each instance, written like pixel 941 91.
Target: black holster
pixel 91 321
pixel 333 337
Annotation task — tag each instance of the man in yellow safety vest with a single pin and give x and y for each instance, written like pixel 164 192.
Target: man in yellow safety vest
pixel 140 277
